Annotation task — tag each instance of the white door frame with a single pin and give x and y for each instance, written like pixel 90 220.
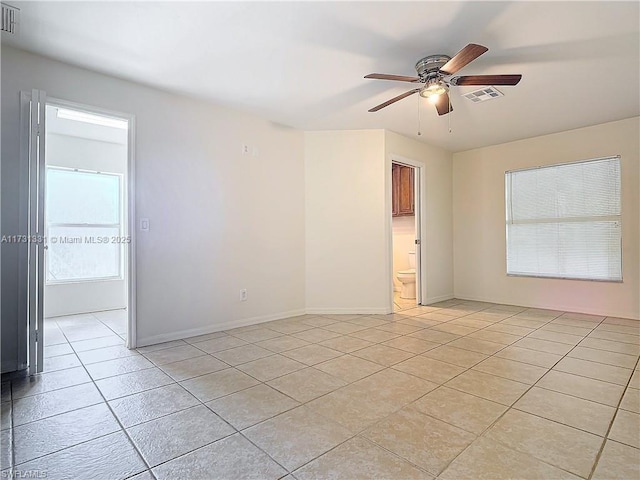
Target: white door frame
pixel 419 194
pixel 32 109
pixel 130 224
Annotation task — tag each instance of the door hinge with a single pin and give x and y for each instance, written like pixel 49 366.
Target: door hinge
pixel 417 241
pixel 36 335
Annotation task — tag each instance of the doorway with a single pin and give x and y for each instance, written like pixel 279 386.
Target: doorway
pixel 80 288
pixel 406 284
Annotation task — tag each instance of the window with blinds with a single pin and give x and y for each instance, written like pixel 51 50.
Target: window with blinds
pixel 563 221
pixel 84 216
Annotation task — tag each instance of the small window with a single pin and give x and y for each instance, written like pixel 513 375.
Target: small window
pixel 84 222
pixel 563 221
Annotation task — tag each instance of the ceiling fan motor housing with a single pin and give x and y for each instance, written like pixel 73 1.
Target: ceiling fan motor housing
pixel 429 66
pixel 435 73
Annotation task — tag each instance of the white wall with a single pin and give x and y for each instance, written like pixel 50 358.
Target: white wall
pixel 348 219
pixel 437 212
pixel 220 220
pixel 88 154
pixel 76 152
pixel 345 222
pixel 404 235
pixel 479 221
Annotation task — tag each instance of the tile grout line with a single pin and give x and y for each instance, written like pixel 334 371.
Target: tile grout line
pixel 359 434
pixel 240 432
pixel 12 437
pixel 615 414
pixel 173 381
pixel 201 403
pixel 395 411
pixel 69 411
pixel 461 348
pixel 144 461
pixel 305 403
pixel 107 326
pixel 283 353
pixel 266 453
pixel 509 407
pixel 560 423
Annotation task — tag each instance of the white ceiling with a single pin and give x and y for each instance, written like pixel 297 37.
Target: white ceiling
pixel 302 63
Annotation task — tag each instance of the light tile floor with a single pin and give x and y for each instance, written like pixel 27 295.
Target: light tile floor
pixel 457 390
pixel 402 303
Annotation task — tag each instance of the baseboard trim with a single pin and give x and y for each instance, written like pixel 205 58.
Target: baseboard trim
pixel 440 298
pixel 347 311
pixel 548 306
pixel 168 337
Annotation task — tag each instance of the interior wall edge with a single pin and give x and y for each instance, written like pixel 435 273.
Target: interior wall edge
pixel 439 298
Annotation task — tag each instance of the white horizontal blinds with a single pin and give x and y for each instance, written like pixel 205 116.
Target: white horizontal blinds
pixel 564 221
pixel 84 222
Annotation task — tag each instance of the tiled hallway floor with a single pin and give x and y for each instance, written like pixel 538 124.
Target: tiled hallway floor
pixel 459 390
pixel 400 303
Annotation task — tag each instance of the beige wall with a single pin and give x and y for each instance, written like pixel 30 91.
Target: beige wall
pixel 219 220
pixel 349 261
pixel 437 212
pixel 345 222
pixel 479 221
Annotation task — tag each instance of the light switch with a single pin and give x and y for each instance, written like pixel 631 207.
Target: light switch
pixel 144 224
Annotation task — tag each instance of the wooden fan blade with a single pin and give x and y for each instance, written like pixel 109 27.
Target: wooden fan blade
pixel 399 78
pixel 486 80
pixel 443 105
pixel 465 56
pixel 394 100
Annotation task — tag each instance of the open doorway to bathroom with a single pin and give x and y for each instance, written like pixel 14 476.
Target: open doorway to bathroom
pixel 86 278
pixel 405 220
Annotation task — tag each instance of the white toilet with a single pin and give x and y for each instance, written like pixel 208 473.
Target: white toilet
pixel 408 278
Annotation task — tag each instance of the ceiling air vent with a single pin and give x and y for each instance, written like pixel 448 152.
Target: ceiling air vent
pixel 9 18
pixel 484 94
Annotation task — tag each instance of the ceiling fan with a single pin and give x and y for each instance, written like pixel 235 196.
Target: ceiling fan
pixel 436 73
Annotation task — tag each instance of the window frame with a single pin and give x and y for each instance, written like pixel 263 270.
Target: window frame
pixel 509 221
pixel 120 226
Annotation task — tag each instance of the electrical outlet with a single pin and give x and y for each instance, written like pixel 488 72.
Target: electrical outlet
pixel 245 149
pixel 243 295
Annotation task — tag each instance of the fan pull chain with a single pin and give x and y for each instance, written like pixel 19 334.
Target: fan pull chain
pixel 419 127
pixel 449 100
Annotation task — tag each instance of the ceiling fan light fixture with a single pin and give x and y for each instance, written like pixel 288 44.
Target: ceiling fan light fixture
pixel 432 91
pixel 435 75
